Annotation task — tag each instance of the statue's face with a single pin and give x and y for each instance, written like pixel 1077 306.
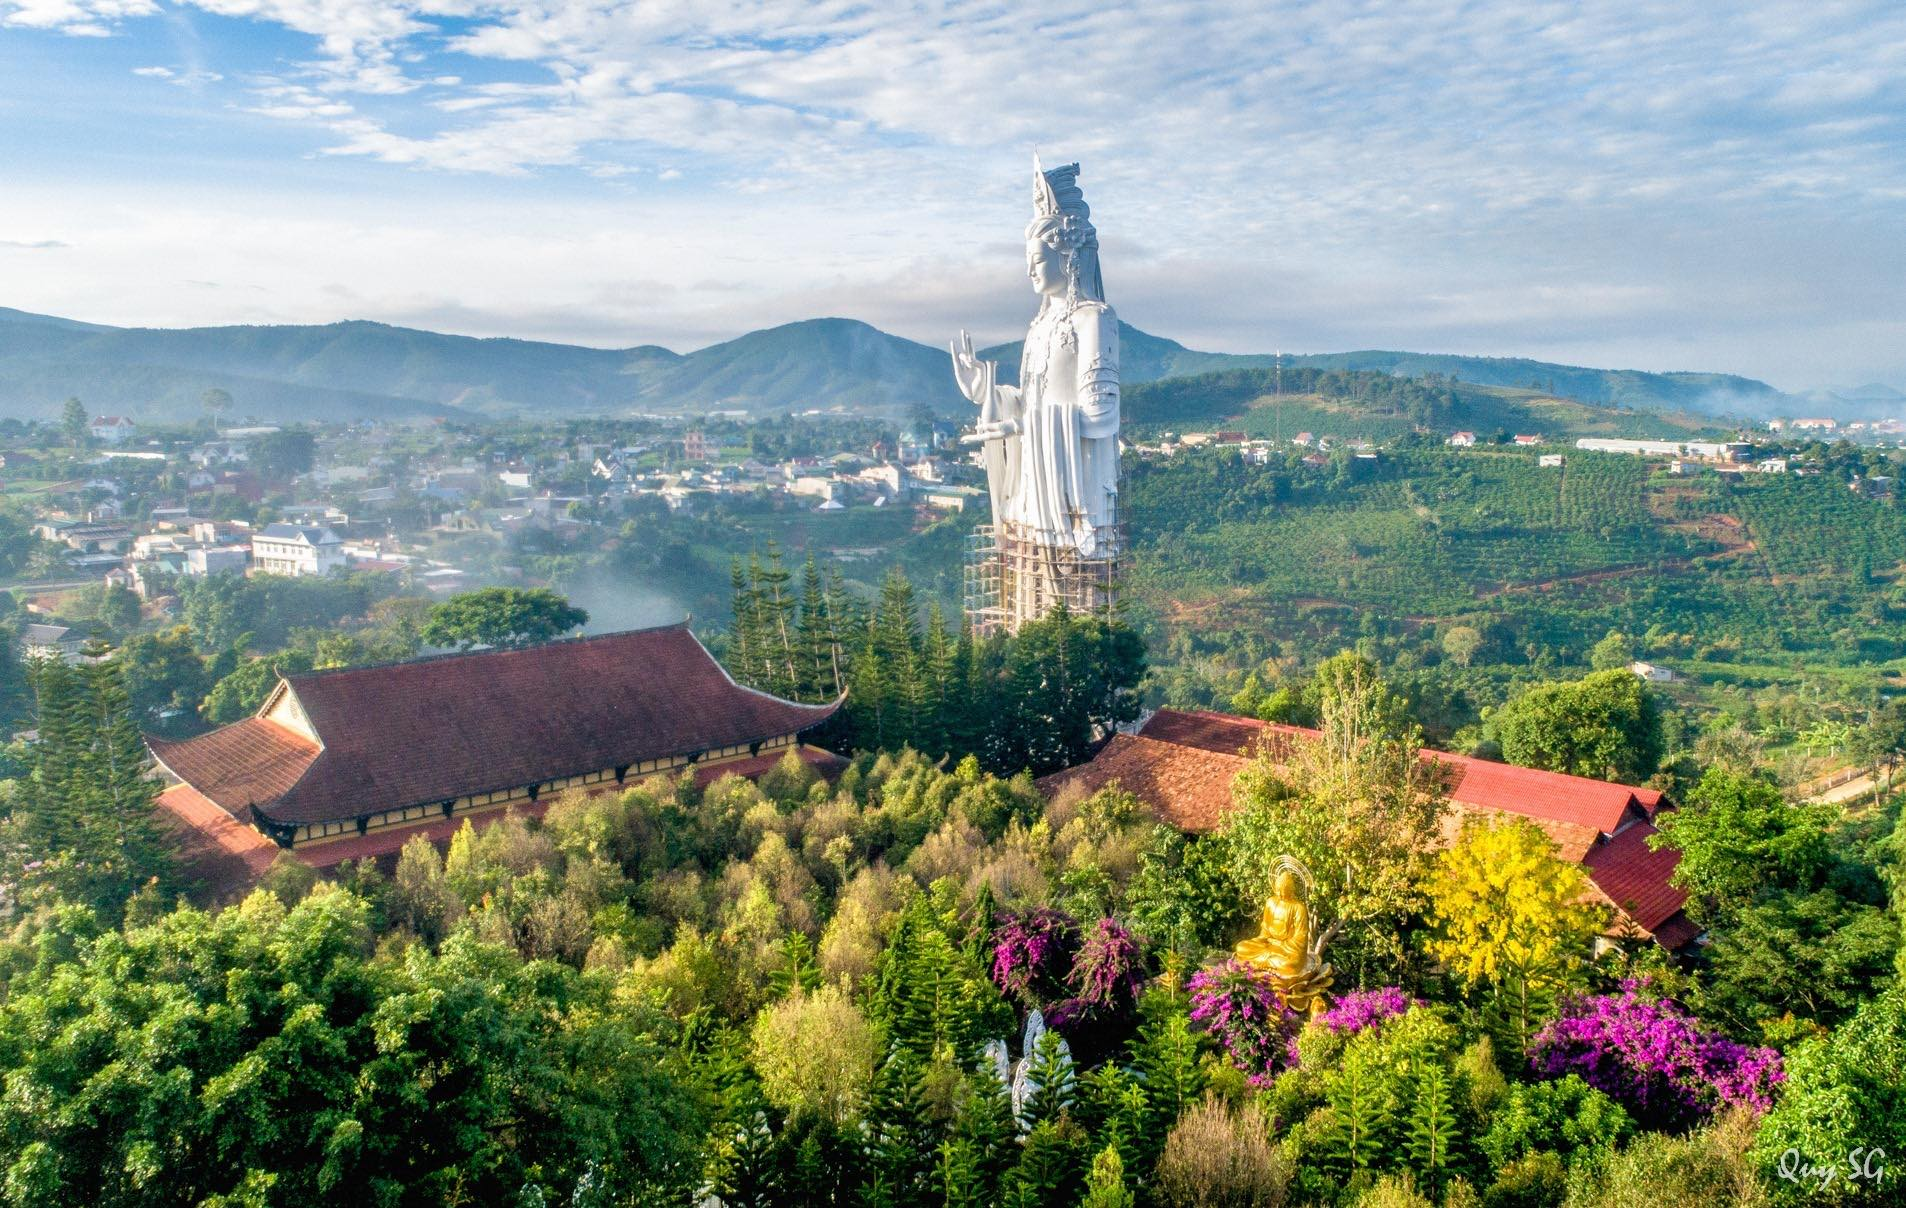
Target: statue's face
pixel 1046 265
pixel 1286 885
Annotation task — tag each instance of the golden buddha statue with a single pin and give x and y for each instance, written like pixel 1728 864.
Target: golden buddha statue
pixel 1287 947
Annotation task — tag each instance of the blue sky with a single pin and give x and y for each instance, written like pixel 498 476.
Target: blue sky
pixel 1656 186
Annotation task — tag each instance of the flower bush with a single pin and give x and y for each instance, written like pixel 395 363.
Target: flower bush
pixel 1351 1013
pixel 1651 1056
pixel 1240 1008
pixel 1032 954
pixel 1105 977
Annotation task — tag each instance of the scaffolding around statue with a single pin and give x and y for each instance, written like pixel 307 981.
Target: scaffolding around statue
pixel 1013 577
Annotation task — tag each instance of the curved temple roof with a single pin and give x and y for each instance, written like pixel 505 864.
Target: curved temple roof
pixel 417 733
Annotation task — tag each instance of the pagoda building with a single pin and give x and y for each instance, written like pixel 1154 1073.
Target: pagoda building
pixel 1184 764
pixel 349 764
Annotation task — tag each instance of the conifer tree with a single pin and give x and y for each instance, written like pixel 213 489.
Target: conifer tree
pixel 957 1176
pixel 1432 1127
pixel 1165 1054
pixel 1051 1168
pixel 901 1139
pixel 814 640
pixel 1105 1184
pixel 1054 1086
pixel 124 841
pixel 1359 1110
pixel 776 607
pixel 984 1123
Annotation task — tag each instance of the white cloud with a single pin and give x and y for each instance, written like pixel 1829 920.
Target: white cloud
pixel 1316 172
pixel 80 18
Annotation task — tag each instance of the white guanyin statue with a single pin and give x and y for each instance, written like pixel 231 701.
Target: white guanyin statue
pixel 1051 443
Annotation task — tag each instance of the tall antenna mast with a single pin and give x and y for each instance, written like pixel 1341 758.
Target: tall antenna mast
pixel 1277 391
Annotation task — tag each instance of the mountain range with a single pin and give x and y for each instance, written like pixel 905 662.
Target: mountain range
pixel 360 369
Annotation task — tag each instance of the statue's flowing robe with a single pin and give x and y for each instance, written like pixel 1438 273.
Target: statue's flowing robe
pixel 1064 487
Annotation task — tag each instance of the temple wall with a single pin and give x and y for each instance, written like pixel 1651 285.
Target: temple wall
pixel 317 833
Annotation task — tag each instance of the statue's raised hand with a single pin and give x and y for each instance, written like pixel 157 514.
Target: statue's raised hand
pixel 969 372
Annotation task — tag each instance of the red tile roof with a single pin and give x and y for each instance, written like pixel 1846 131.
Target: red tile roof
pixel 1552 796
pixel 1635 877
pixel 1190 787
pixel 221 854
pixel 235 765
pixel 431 730
pixel 1183 764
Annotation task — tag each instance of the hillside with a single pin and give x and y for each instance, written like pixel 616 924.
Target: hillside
pixel 1743 580
pixel 1371 405
pixel 359 369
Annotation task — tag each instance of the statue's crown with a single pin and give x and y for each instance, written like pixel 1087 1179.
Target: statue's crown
pixel 1056 194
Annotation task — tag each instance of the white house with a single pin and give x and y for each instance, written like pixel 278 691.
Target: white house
pixel 51 642
pixel 294 549
pixel 206 560
pixel 1652 672
pixel 1550 459
pixel 1462 440
pixel 112 429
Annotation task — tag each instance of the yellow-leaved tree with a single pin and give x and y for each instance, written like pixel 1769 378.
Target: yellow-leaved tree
pixel 1511 917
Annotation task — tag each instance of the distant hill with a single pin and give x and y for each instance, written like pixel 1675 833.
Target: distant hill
pixel 352 370
pixel 1147 358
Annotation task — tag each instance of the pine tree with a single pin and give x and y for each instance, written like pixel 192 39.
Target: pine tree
pixel 1432 1127
pixel 89 819
pixel 1054 1086
pixel 984 1122
pixel 123 835
pixel 901 1138
pixel 1165 1054
pixel 775 610
pixel 1051 1168
pixel 1359 1112
pixel 957 1176
pixel 938 691
pixel 1105 1185
pixel 813 640
pixel 744 637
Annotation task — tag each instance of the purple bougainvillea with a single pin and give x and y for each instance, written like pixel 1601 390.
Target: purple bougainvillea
pixel 1351 1013
pixel 1651 1056
pixel 1109 971
pixel 1239 1007
pixel 1032 953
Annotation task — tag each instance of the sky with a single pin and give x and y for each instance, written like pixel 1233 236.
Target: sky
pixel 1642 185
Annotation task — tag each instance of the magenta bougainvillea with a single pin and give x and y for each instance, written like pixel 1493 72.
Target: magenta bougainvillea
pixel 1109 970
pixel 1351 1013
pixel 1032 954
pixel 1651 1056
pixel 1238 1006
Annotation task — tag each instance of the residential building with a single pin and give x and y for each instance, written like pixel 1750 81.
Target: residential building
pixel 295 549
pixel 1462 440
pixel 112 429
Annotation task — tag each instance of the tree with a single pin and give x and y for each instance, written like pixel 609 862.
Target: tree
pixel 1606 725
pixel 502 617
pixel 1739 837
pixel 74 425
pixel 87 829
pixel 1105 1183
pixel 814 1054
pixel 1613 653
pixel 1461 644
pixel 263 1055
pixel 1845 1095
pixel 1358 807
pixel 216 402
pixel 165 679
pixel 283 454
pixel 1507 912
